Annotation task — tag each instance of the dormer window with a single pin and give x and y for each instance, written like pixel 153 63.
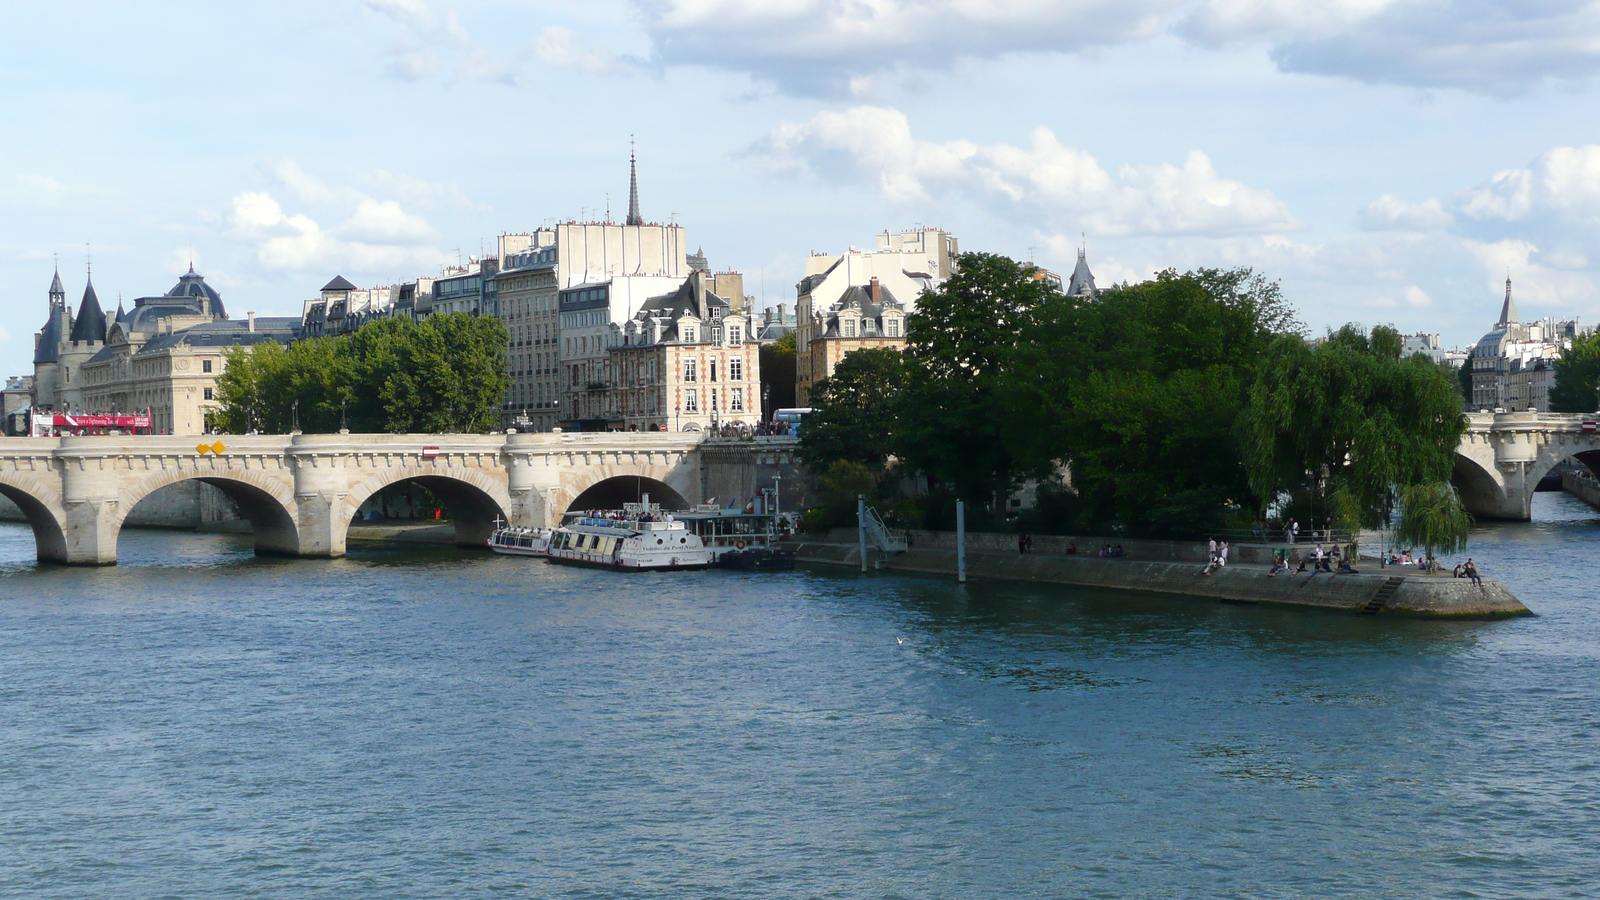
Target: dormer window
pixel 891 327
pixel 716 312
pixel 868 326
pixel 847 327
pixel 688 334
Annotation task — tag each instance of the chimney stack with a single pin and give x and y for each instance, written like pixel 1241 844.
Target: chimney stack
pixel 251 318
pixel 873 291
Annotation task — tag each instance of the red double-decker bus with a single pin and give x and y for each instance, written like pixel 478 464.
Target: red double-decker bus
pixel 46 424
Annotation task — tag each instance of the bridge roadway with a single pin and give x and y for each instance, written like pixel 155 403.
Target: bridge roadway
pixel 301 491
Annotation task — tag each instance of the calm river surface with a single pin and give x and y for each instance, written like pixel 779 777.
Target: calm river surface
pixel 199 723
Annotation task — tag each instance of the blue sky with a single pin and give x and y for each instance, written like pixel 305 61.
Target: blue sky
pixel 1387 160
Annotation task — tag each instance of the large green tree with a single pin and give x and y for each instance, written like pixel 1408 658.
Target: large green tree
pixel 1138 390
pixel 1577 383
pixel 855 411
pixel 446 374
pixel 959 344
pixel 1348 423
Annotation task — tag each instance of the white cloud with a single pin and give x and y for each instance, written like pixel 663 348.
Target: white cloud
pixel 1563 183
pixel 1049 182
pixel 1417 296
pixel 430 44
pixel 371 235
pixel 826 46
pixel 1389 213
pixel 558 48
pixel 4 334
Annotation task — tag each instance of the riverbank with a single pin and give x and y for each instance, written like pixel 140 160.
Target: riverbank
pixel 1392 591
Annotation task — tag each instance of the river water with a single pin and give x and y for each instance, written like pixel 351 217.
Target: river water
pixel 199 723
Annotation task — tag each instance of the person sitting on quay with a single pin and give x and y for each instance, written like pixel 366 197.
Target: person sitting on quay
pixel 1280 564
pixel 1471 571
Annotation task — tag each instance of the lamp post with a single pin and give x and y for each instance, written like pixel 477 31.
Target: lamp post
pixel 344 420
pixel 294 416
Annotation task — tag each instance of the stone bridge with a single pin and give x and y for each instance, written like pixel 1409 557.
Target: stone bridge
pixel 1503 455
pixel 301 491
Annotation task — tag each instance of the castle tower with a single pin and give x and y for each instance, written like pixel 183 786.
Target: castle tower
pixel 47 346
pixel 87 337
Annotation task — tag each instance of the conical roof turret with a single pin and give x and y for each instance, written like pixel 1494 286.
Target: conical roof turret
pixel 90 325
pixel 58 294
pixel 47 346
pixel 1508 310
pixel 1082 283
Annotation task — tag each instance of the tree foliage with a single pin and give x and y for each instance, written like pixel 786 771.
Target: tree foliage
pixel 959 344
pixel 1348 421
pixel 1431 517
pixel 446 374
pixel 855 411
pixel 1577 377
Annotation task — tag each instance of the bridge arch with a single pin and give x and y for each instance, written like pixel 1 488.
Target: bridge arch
pixel 681 479
pixel 267 503
pixel 41 505
pixel 473 499
pixel 611 493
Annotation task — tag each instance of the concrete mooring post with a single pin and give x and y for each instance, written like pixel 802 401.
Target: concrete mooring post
pixel 861 527
pixel 961 542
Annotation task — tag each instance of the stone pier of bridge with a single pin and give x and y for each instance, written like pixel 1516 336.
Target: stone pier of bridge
pixel 1503 456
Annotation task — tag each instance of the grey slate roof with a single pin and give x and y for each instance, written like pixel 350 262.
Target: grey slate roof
pixel 192 286
pixel 282 329
pixel 339 283
pixel 48 350
pixel 858 297
pixel 1082 282
pixel 1508 311
pixel 91 322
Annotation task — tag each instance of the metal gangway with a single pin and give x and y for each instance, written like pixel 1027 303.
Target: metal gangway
pixel 880 535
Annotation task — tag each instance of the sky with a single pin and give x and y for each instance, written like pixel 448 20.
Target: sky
pixel 1389 161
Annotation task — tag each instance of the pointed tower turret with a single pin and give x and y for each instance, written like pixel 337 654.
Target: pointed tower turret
pixel 633 191
pixel 1082 282
pixel 1508 311
pixel 90 325
pixel 47 344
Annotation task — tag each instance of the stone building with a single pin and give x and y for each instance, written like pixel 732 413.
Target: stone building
pixel 1513 365
pixel 163 355
pixel 902 265
pixel 864 318
pixel 686 361
pixel 341 307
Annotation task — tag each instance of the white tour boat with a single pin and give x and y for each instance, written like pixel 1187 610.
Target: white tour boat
pixel 515 541
pixel 739 539
pixel 641 538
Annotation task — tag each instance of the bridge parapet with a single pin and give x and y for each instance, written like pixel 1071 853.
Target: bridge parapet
pixel 1502 457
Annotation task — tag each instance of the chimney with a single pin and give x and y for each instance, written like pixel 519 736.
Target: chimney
pixel 873 291
pixel 251 318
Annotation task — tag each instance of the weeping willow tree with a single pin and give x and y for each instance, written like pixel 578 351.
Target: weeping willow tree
pixel 1431 517
pixel 1347 424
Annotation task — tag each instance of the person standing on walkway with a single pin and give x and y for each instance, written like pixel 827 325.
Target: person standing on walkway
pixel 1293 529
pixel 1222 554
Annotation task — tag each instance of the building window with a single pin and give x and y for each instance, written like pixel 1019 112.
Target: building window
pixel 736 369
pixel 688 335
pixel 689 371
pixel 847 327
pixel 208 393
pixel 716 335
pixel 735 334
pixel 205 366
pixel 691 400
pixel 891 327
pixel 868 326
pixel 736 403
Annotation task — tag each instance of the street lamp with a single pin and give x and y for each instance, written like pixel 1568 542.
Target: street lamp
pixel 677 411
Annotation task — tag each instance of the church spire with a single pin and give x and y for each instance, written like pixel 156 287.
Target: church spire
pixel 1508 311
pixel 633 188
pixel 90 324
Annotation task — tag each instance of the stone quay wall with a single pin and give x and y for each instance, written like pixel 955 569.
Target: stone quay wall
pixel 1418 595
pixel 1582 486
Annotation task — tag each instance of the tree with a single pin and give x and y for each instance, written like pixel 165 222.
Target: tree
pixel 1140 389
pixel 446 374
pixel 1431 517
pixel 959 342
pixel 1577 382
pixel 854 411
pixel 1348 422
